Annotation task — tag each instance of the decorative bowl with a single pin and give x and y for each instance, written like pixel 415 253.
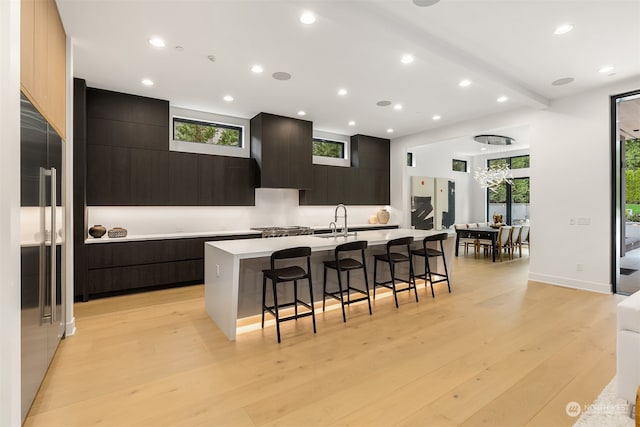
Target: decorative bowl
pixel 117 232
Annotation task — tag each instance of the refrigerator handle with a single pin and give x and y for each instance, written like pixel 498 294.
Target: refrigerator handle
pixel 54 249
pixel 42 280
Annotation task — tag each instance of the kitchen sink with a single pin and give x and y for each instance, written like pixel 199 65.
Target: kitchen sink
pixel 337 235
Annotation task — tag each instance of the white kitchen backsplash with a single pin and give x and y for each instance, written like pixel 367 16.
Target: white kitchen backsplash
pixel 274 207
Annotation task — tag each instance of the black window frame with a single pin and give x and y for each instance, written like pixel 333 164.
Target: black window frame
pixel 240 130
pixel 466 165
pixel 342 145
pixel 509 161
pixel 410 159
pixel 509 190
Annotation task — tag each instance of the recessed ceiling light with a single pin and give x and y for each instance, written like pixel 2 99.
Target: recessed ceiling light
pixel 352 123
pixel 397 107
pixel 257 69
pixel 563 29
pixel 464 83
pixel 605 69
pixel 302 113
pixel 563 81
pixel 383 103
pixel 425 3
pixel 389 130
pixel 483 148
pixel 407 59
pixel 147 82
pixel 502 99
pixel 307 18
pixel 436 117
pixel 281 75
pixel 156 42
pixel 342 92
pixel 228 98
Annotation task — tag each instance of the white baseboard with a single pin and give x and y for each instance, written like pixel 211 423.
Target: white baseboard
pixel 70 328
pixel 603 288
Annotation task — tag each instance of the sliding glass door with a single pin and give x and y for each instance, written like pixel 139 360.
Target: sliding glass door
pixel 625 225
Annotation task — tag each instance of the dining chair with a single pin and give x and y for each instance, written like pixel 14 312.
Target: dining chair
pixel 516 234
pixel 503 241
pixel 525 238
pixel 465 241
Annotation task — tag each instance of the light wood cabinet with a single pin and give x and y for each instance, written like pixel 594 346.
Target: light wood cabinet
pixel 43 60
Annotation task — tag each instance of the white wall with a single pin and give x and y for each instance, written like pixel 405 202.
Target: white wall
pixel 570 177
pixel 435 161
pixel 10 213
pixel 274 207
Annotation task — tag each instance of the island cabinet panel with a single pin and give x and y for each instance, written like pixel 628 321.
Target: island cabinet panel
pixel 282 149
pixel 116 267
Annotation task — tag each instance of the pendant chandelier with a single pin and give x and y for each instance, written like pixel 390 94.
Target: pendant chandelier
pixel 493 176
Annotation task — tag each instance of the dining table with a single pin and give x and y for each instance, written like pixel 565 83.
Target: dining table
pixel 478 233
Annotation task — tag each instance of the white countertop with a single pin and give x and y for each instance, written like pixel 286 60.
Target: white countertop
pixel 181 235
pixel 255 248
pixel 219 233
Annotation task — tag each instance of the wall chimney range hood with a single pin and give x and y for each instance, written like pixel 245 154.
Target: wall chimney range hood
pixel 282 147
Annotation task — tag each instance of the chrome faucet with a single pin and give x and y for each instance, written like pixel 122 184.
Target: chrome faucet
pixel 345 230
pixel 333 228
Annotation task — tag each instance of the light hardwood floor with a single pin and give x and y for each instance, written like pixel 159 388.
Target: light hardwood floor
pixel 498 351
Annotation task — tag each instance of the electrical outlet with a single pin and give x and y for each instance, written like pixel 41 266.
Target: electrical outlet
pixel 217 270
pixel 584 221
pixel 579 267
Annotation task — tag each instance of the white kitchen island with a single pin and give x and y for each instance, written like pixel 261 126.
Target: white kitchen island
pixel 233 268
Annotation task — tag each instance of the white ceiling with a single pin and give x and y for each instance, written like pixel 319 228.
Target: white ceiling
pixel 505 47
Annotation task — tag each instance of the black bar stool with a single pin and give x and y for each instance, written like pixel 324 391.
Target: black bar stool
pixel 427 253
pixel 348 265
pixel 288 274
pixel 393 258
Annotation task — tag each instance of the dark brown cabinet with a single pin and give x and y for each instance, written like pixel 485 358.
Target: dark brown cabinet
pixel 282 149
pixel 183 173
pixel 117 267
pixel 128 162
pixel 366 182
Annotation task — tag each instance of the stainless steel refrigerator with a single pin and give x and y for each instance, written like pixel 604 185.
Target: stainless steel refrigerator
pixel 41 217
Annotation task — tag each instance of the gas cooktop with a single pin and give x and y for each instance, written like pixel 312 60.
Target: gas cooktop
pixel 290 230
